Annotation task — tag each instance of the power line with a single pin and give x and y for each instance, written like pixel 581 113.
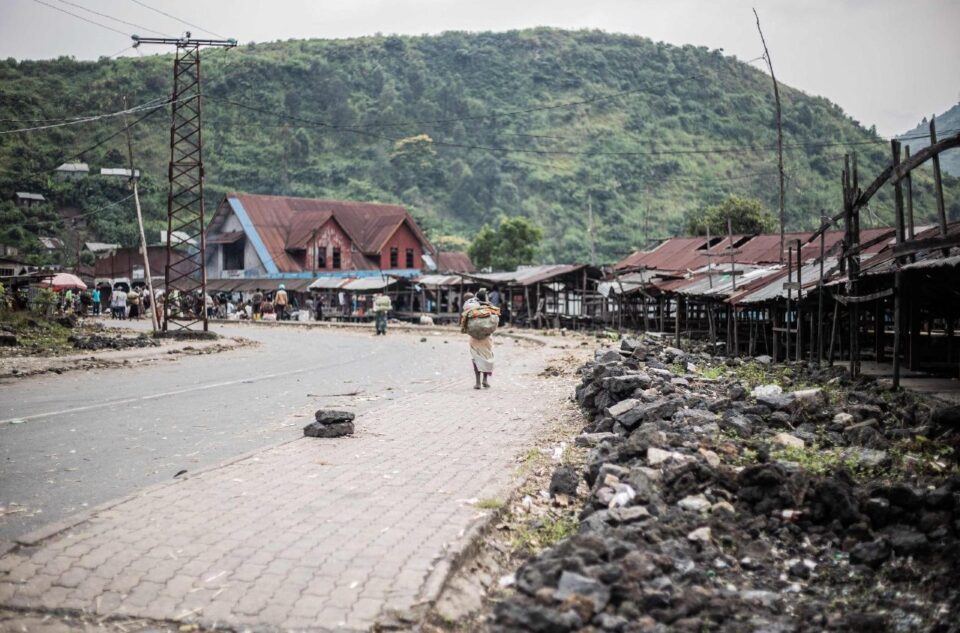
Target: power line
pixel 110 17
pixel 173 17
pixel 147 106
pixel 80 17
pixel 96 145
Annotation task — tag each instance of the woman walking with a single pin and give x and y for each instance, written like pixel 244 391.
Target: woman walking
pixel 478 309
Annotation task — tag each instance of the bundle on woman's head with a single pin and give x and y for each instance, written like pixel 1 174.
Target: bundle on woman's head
pixel 482 294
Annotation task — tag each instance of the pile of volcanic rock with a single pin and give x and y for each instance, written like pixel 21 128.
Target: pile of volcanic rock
pixel 98 342
pixel 330 423
pixel 694 524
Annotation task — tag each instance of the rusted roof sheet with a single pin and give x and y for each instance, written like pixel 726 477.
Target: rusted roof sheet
pixel 690 253
pixel 770 287
pixel 120 263
pixel 453 262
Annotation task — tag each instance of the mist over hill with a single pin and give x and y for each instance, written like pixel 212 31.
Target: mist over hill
pixel 460 127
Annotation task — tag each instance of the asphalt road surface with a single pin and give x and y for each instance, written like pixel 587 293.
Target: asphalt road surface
pixel 76 440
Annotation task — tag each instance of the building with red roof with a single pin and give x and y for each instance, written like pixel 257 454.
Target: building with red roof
pixel 282 237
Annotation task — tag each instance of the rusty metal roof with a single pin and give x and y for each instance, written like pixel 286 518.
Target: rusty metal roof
pixel 284 222
pixel 690 253
pixel 453 262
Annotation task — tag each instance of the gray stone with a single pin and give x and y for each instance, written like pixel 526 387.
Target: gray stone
pixel 907 542
pixel 736 423
pixel 632 514
pixel 659 410
pixel 764 359
pixel 574 584
pixel 337 429
pixel 867 457
pixel 694 503
pixel 590 440
pixel 333 416
pixel 872 553
pixel 695 417
pixel 618 409
pixel 781 402
pixel 766 390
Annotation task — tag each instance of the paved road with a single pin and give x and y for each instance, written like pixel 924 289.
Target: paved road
pixel 87 437
pixel 309 535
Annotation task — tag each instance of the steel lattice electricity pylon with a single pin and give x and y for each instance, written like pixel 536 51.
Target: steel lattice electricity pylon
pixel 185 277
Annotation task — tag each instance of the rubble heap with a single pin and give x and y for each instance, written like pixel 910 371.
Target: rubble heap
pixel 97 342
pixel 735 495
pixel 330 423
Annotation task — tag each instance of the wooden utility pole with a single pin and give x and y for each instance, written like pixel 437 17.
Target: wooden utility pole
pixel 776 98
pixel 593 246
pixel 143 238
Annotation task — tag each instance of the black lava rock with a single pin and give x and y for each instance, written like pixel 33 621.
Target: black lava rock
pixel 564 481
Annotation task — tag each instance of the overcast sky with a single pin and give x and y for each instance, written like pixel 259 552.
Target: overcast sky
pixel 885 62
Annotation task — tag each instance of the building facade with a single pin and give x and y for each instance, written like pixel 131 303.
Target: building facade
pixel 281 237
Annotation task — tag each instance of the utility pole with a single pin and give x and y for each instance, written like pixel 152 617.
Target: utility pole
pixel 593 246
pixel 185 273
pixel 134 178
pixel 776 97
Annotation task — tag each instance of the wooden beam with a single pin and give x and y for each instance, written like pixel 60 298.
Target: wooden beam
pixel 930 243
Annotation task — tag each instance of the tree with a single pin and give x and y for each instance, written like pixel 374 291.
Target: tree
pixel 747 217
pixel 515 242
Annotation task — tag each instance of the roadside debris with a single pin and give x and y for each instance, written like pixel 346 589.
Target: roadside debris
pixel 330 423
pixel 834 507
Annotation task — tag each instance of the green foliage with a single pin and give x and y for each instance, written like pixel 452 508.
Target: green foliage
pixel 513 243
pixel 747 216
pixel 44 301
pixel 407 120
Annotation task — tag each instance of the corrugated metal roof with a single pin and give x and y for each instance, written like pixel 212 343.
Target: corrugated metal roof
pixel 771 287
pixel 26 195
pixel 719 283
pixel 689 253
pixel 73 167
pixel 529 275
pixel 284 222
pixel 374 283
pixel 434 281
pixel 453 262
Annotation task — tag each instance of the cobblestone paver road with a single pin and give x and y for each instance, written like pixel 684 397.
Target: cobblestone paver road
pixel 307 535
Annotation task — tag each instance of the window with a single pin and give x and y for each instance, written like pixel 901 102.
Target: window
pixel 394 257
pixel 322 256
pixel 410 258
pixel 233 255
pixel 336 257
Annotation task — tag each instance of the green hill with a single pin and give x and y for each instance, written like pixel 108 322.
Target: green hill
pixel 918 138
pixel 647 131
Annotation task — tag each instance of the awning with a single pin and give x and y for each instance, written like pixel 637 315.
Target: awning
pixel 328 283
pixel 359 285
pixel 225 238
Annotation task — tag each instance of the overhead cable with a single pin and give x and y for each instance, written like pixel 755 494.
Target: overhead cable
pixel 150 105
pixel 173 17
pixel 110 17
pixel 80 17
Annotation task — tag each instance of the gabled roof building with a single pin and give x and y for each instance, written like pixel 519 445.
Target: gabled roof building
pixel 281 237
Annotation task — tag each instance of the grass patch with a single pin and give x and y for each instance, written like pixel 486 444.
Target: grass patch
pixel 488 504
pixel 544 532
pixel 713 373
pixel 813 460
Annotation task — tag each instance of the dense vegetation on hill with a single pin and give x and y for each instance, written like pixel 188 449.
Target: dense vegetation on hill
pixel 657 131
